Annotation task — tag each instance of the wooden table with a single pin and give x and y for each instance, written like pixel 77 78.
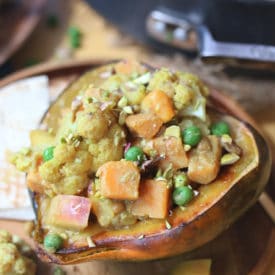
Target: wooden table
pixel 255 91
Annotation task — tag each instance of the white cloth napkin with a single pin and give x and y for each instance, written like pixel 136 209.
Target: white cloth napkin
pixel 22 104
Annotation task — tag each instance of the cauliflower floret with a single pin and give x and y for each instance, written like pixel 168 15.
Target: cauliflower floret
pixel 71 184
pixel 67 172
pixel 8 255
pixel 162 80
pixel 93 124
pixel 113 82
pixel 95 140
pixel 49 171
pixel 183 96
pixel 196 106
pixel 192 81
pixel 108 148
pixel 22 160
pixel 5 236
pixel 12 261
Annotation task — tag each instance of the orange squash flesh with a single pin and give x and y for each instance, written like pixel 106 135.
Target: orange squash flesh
pixel 218 205
pixel 204 163
pixel 153 199
pixel 171 148
pixel 119 180
pixel 144 125
pixel 159 104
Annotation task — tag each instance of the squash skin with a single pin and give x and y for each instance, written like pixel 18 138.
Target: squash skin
pixel 159 242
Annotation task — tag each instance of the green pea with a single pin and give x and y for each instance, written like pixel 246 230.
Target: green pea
pixel 182 195
pixel 134 153
pixel 75 36
pixel 191 135
pixel 53 242
pixel 220 128
pixel 75 42
pixel 180 180
pixel 74 32
pixel 48 153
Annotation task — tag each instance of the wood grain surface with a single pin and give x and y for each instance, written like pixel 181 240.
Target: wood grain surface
pixel 247 247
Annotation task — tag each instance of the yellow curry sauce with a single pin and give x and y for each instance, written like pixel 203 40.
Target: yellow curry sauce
pixel 135 146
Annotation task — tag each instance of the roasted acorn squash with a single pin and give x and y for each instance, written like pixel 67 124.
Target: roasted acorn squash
pixel 219 204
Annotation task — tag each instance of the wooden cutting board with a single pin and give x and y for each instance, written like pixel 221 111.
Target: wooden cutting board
pixel 246 247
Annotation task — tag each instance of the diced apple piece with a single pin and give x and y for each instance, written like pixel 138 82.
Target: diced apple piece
pixel 144 125
pixel 70 212
pixel 171 148
pixel 204 160
pixel 119 180
pixel 153 201
pixel 160 104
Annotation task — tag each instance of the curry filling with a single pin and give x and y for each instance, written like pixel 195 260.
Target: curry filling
pixel 136 146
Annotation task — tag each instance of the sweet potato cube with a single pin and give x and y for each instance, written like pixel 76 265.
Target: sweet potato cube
pixel 144 125
pixel 70 212
pixel 204 160
pixel 171 148
pixel 160 104
pixel 153 201
pixel 119 180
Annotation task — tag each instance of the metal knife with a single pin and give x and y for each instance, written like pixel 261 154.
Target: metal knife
pixel 235 31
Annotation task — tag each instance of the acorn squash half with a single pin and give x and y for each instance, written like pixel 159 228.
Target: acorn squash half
pixel 219 204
